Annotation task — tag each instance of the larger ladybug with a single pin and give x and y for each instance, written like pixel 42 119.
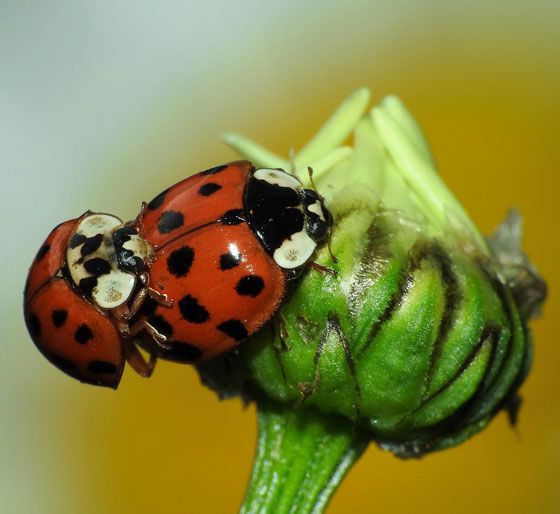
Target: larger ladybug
pixel 204 266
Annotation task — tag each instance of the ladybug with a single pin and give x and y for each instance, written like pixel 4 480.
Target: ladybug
pixel 203 267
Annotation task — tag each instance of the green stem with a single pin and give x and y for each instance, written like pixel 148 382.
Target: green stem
pixel 301 458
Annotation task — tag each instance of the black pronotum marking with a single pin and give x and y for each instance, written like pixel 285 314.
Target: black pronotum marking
pixel 42 252
pixel 91 244
pixel 273 213
pixel 169 221
pixel 61 363
pixel 126 259
pixel 101 367
pixel 34 325
pixel 76 240
pixel 88 284
pixel 183 352
pixel 83 334
pixel 179 261
pixel 228 261
pixel 234 329
pixel 161 325
pixel 208 189
pixel 233 217
pixel 192 311
pixel 213 171
pixel 251 285
pixel 97 266
pixel 59 317
pixel 157 201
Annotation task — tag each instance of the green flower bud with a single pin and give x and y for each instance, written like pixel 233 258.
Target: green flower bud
pixel 420 337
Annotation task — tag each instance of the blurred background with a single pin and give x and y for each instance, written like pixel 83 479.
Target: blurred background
pixel 103 104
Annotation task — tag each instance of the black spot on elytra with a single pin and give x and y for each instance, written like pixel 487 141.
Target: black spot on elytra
pixel 157 201
pixel 234 329
pixel 83 334
pixel 102 367
pixel 213 171
pixel 42 252
pixel 88 284
pixel 61 363
pixel 228 261
pixel 233 217
pixel 179 261
pixel 182 352
pixel 169 221
pixel 161 325
pixel 91 244
pixel 208 189
pixel 251 285
pixel 273 212
pixel 97 266
pixel 76 240
pixel 34 325
pixel 192 311
pixel 148 307
pixel 59 317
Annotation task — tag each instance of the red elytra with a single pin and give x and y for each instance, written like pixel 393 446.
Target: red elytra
pixel 223 284
pixel 71 332
pixel 203 267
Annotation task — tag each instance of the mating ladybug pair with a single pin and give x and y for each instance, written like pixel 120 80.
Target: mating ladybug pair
pixel 204 266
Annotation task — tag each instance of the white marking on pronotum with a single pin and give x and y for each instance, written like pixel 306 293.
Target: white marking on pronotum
pixel 113 288
pixel 138 246
pixel 277 177
pixel 317 209
pixel 295 251
pixel 97 224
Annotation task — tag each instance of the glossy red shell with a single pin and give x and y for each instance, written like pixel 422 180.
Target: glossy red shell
pixel 223 284
pixel 207 261
pixel 73 334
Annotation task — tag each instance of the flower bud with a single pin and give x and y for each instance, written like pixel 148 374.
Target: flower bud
pixel 419 336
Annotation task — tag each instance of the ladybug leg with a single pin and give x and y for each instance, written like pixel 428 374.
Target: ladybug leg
pixel 161 298
pixel 143 326
pixel 136 303
pixel 137 361
pixel 333 256
pixel 121 317
pixel 322 269
pixel 124 313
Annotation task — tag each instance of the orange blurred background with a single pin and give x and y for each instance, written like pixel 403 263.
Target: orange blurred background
pixel 105 104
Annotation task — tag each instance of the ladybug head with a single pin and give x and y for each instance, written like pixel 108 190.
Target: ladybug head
pixel 318 219
pixel 105 258
pixel 288 220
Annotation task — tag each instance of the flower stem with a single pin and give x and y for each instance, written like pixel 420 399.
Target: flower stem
pixel 301 458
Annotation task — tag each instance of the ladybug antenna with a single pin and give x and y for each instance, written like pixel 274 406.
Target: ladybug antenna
pixel 333 256
pixel 310 173
pixel 313 186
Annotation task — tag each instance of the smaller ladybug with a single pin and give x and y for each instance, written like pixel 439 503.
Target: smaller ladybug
pixel 203 267
pixel 87 280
